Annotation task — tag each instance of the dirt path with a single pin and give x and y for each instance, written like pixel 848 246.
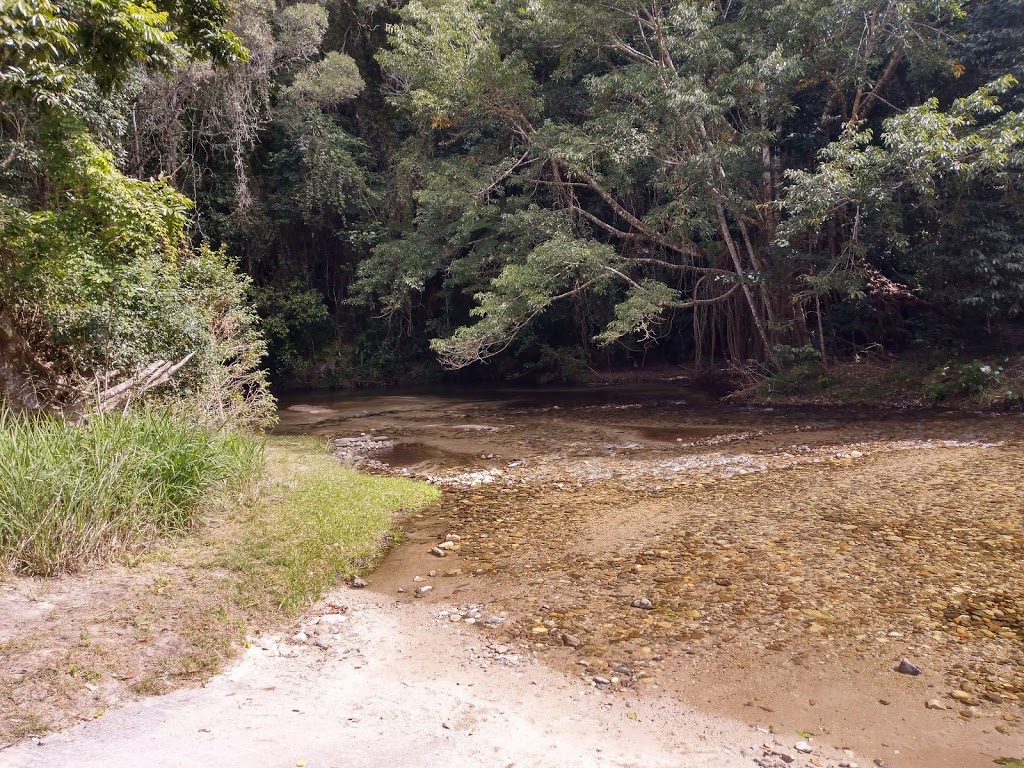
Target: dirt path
pixel 396 686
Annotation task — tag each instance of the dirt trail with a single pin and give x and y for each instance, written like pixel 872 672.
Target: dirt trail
pixel 398 687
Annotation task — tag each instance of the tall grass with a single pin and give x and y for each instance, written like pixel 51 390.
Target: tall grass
pixel 74 493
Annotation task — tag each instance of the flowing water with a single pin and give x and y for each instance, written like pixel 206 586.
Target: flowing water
pixel 772 564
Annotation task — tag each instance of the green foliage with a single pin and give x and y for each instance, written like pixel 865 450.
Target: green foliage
pixel 790 356
pixel 329 82
pixel 971 379
pixel 71 494
pixel 523 182
pixel 731 175
pixel 49 48
pixel 315 524
pixel 104 279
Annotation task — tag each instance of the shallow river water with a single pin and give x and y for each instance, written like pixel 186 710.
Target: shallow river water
pixel 771 564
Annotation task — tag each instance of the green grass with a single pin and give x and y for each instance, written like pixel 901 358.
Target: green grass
pixel 71 494
pixel 312 524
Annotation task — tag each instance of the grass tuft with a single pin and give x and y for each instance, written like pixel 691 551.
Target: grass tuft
pixel 71 494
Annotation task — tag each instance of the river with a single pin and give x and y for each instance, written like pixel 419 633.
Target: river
pixel 774 565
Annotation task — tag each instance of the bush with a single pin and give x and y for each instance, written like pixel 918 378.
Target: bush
pixel 970 379
pixel 73 493
pixel 104 280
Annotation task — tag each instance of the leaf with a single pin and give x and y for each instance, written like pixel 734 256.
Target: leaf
pixel 632 715
pixel 804 734
pixel 1010 762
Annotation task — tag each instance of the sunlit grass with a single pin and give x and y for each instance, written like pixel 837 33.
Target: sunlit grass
pixel 312 523
pixel 71 494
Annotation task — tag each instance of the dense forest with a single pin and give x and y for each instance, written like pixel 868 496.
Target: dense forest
pixel 355 192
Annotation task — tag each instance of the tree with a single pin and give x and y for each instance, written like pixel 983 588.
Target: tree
pixel 647 152
pixel 99 280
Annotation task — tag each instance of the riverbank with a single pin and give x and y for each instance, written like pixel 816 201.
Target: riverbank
pixel 75 647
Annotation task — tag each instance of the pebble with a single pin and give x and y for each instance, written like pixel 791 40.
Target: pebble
pixel 601 680
pixel 907 667
pixel 424 589
pixel 571 641
pixel 438 552
pixel 804 747
pixel 935 704
pixel 358 583
pixel 643 603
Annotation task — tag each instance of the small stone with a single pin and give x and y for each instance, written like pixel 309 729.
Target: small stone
pixel 907 667
pixel 495 621
pixel 358 583
pixel 880 763
pixel 571 641
pixel 965 698
pixel 401 591
pixel 884 702
pixel 643 603
pixel 935 704
pixel 438 552
pixel 601 680
pixel 804 747
pixel 423 590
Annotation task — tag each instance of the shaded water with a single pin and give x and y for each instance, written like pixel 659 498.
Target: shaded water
pixel 436 429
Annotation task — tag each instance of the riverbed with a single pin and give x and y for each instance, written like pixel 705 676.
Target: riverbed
pixel 774 565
